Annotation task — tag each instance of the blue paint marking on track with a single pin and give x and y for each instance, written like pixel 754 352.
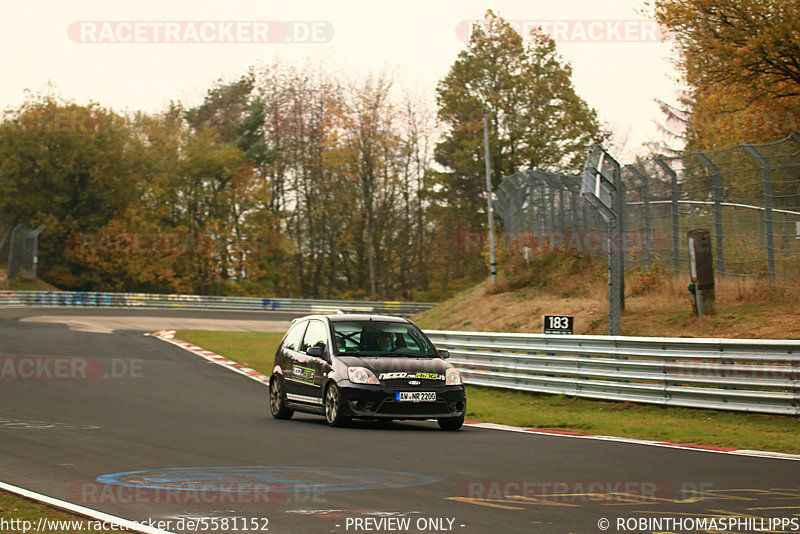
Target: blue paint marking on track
pixel 261 479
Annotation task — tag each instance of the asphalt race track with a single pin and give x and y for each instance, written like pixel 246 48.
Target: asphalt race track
pixel 97 414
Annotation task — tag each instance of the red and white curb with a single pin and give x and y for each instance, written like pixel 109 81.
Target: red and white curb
pixel 169 337
pixel 633 441
pixel 96 515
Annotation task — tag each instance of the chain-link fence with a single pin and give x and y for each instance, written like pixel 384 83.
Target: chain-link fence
pixel 747 196
pixel 541 208
pixel 5 232
pixel 19 246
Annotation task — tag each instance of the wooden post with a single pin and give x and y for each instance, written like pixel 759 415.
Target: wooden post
pixel 701 266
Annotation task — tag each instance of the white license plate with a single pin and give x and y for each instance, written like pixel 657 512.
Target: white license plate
pixel 415 396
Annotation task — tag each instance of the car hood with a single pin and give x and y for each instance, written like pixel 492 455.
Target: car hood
pixel 395 367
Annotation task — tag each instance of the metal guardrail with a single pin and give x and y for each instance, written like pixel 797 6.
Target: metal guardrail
pixel 728 374
pixel 144 300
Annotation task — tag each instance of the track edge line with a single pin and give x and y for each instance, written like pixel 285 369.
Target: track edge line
pixel 82 510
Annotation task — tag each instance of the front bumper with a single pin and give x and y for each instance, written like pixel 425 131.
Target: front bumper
pixel 373 401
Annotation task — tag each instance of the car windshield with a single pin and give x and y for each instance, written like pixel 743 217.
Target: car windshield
pixel 376 338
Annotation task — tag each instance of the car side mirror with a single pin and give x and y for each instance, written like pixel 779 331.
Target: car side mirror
pixel 316 351
pixel 444 354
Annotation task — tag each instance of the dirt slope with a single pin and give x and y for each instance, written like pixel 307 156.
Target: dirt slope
pixel 655 305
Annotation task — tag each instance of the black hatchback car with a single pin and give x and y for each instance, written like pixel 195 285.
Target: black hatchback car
pixel 364 366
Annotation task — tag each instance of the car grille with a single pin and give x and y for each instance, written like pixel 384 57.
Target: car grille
pixel 422 383
pixel 413 408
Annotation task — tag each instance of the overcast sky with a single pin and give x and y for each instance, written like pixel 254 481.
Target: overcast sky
pixel 140 55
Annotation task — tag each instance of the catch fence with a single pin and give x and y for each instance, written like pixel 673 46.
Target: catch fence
pixel 747 196
pixel 19 246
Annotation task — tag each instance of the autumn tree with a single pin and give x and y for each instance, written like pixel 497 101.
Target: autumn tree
pixel 345 181
pixel 193 224
pixel 219 187
pixel 68 167
pixel 741 60
pixel 536 119
pixel 329 177
pixel 417 125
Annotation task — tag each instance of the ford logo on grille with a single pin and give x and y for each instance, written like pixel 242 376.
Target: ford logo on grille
pixel 413 382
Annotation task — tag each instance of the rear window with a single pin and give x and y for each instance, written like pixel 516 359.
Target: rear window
pixel 375 338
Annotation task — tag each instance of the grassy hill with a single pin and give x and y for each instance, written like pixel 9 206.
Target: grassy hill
pixel 656 304
pixel 24 282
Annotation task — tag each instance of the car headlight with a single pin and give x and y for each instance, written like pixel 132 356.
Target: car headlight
pixel 452 378
pixel 361 375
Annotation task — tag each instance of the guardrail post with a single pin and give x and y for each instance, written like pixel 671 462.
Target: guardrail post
pixel 795 377
pixel 665 368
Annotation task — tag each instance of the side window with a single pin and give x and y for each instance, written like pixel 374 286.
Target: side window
pixel 316 336
pixel 293 337
pixel 411 343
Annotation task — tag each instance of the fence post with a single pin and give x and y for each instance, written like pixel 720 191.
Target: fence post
pixel 621 200
pixel 600 180
pixel 767 181
pixel 575 223
pixel 542 209
pixel 11 248
pixel 648 227
pixel 785 240
pixel 35 248
pixel 676 237
pixel 5 237
pixel 716 213
pixel 586 215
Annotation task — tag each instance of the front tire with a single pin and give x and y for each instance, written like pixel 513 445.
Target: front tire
pixel 277 400
pixel 450 423
pixel 333 407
